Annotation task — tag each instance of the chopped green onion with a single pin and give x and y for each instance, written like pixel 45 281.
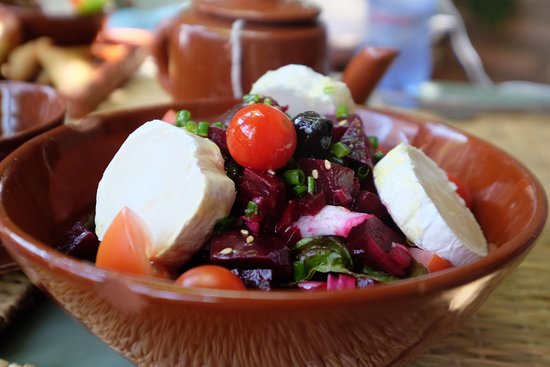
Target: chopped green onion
pixel 340 149
pixel 373 141
pixel 218 124
pixel 268 101
pixel 336 160
pixel 294 177
pixel 224 225
pixel 328 89
pixel 251 98
pixel 342 111
pixel 363 172
pixel 191 126
pixel 251 209
pixel 299 190
pixel 182 117
pixel 378 155
pixel 202 129
pixel 310 184
pixel 298 270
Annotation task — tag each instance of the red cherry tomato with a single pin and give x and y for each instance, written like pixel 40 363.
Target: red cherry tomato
pixel 125 244
pixel 462 190
pixel 261 137
pixel 211 277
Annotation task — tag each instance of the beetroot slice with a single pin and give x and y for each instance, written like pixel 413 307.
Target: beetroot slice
pixel 335 181
pixel 235 250
pixel 354 137
pixel 372 244
pixel 368 202
pixel 79 242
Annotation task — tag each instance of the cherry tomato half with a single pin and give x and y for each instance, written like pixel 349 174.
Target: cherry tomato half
pixel 462 190
pixel 211 277
pixel 261 137
pixel 125 244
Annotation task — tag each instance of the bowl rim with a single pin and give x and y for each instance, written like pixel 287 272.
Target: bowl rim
pixel 513 249
pixel 56 99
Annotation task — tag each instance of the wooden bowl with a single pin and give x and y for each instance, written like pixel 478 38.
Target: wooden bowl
pixel 48 183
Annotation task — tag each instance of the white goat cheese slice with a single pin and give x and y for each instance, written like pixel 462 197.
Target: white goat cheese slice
pixel 303 89
pixel 426 207
pixel 175 181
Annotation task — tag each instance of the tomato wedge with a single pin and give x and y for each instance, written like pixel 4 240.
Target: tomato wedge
pixel 430 260
pixel 125 245
pixel 211 277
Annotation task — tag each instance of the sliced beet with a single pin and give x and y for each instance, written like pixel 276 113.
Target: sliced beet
pixel 371 244
pixel 218 135
pixel 261 279
pixel 310 204
pixel 354 137
pixel 266 190
pixel 235 250
pixel 79 242
pixel 368 202
pixel 335 181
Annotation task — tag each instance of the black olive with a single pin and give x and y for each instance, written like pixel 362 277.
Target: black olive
pixel 314 134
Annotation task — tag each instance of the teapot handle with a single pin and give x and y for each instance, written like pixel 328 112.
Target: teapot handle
pixel 366 69
pixel 159 51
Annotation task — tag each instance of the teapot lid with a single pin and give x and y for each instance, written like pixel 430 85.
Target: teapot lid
pixel 267 11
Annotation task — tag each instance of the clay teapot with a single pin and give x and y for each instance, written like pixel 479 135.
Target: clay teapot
pixel 218 48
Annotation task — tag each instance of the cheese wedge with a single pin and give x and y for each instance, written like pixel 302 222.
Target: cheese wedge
pixel 175 181
pixel 303 89
pixel 425 206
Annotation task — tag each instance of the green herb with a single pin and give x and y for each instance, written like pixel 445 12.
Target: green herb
pixel 336 160
pixel 182 117
pixel 379 276
pixel 294 177
pixel 310 184
pixel 268 101
pixel 251 209
pixel 363 172
pixel 251 98
pixel 218 124
pixel 191 126
pixel 342 111
pixel 299 190
pixel 298 270
pixel 202 129
pixel 340 150
pixel 224 225
pixel 323 254
pixel 373 141
pixel 328 89
pixel 378 155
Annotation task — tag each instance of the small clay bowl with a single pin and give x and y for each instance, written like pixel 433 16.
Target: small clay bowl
pixel 51 181
pixel 26 111
pixel 62 29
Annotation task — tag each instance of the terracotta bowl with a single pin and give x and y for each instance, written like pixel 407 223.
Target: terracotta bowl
pixel 48 183
pixel 62 29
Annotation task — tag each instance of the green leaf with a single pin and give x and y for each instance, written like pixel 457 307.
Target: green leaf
pixel 379 276
pixel 323 254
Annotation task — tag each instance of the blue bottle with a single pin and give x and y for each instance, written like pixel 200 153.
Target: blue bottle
pixel 403 24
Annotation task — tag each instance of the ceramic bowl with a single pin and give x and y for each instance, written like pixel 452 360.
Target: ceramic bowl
pixel 62 29
pixel 50 182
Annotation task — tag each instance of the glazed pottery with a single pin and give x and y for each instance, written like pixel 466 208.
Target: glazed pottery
pixel 50 183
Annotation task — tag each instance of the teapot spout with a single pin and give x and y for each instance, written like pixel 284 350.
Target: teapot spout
pixel 365 70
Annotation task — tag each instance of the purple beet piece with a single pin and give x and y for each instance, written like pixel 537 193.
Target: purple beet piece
pixel 336 181
pixel 266 190
pixel 310 204
pixel 354 137
pixel 368 202
pixel 79 242
pixel 218 136
pixel 371 243
pixel 261 279
pixel 235 250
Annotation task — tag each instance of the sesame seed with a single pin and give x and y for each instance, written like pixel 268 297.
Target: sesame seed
pixel 244 232
pixel 315 174
pixel 249 239
pixel 271 172
pixel 327 164
pixel 226 251
pixel 342 122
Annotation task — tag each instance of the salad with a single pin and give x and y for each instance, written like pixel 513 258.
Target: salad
pixel 267 199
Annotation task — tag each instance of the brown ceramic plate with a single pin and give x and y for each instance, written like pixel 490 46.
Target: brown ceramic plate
pixel 50 182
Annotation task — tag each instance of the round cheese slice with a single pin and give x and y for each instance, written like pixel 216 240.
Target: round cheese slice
pixel 426 207
pixel 175 181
